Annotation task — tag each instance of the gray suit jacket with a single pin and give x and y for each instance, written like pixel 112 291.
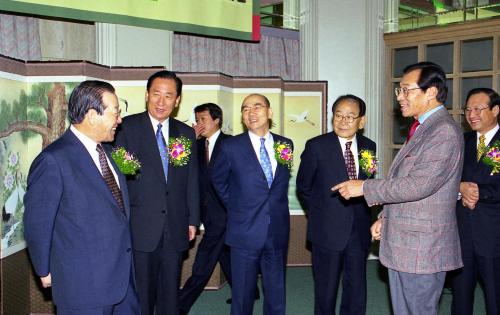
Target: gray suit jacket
pixel 419 230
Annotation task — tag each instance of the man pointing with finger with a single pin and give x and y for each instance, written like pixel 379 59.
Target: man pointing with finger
pixel 418 227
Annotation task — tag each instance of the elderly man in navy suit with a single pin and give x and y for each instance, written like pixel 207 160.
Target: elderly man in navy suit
pixel 338 229
pixel 478 211
pixel 251 175
pixel 76 217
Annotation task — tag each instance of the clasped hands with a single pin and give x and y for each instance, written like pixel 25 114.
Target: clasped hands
pixel 470 194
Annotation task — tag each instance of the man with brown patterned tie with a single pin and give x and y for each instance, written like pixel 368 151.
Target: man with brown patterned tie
pixel 418 227
pixel 76 218
pixel 338 230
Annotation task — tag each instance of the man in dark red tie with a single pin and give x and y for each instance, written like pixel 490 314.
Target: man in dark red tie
pixel 213 213
pixel 338 230
pixel 418 228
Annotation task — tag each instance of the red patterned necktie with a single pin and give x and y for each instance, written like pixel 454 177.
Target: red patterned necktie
pixel 413 128
pixel 107 174
pixel 349 161
pixel 207 151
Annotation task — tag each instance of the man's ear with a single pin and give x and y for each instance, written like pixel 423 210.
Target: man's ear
pixel 362 122
pixel 431 93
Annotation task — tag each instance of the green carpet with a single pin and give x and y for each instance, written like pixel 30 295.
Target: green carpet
pixel 300 295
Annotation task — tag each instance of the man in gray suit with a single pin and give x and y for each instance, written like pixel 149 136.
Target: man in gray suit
pixel 418 226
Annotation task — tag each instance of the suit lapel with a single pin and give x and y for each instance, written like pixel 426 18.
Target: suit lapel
pixel 89 170
pixel 361 146
pixel 249 153
pixel 336 148
pixel 481 169
pixel 123 184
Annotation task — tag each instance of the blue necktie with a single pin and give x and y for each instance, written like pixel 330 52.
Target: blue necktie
pixel 162 146
pixel 265 162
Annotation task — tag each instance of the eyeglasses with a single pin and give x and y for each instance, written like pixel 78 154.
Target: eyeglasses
pixel 348 118
pixel 256 108
pixel 475 110
pixel 404 90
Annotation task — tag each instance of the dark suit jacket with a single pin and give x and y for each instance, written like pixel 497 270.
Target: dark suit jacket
pixel 255 211
pixel 213 212
pixel 75 229
pixel 482 224
pixel 155 204
pixel 331 217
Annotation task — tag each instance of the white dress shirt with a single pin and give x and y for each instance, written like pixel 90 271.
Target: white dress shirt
pixel 91 147
pixel 164 127
pixel 269 144
pixel 488 136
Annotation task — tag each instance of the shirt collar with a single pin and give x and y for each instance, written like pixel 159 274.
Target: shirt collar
pixel 89 144
pixel 427 114
pixel 214 137
pixel 488 135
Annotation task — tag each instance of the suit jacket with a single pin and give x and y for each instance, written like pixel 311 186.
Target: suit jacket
pixel 213 212
pixel 419 230
pixel 75 229
pixel 255 211
pixel 331 217
pixel 158 207
pixel 482 224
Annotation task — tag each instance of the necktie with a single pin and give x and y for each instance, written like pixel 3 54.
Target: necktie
pixel 349 161
pixel 207 151
pixel 109 178
pixel 162 146
pixel 265 162
pixel 413 128
pixel 481 147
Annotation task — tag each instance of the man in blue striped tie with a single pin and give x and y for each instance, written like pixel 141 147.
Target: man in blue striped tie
pixel 251 178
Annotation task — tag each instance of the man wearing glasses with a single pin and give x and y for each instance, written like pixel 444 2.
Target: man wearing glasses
pixel 338 230
pixel 252 182
pixel 418 228
pixel 478 210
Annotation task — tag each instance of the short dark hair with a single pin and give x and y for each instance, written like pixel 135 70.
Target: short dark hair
pixel 165 74
pixel 431 75
pixel 352 98
pixel 494 97
pixel 86 96
pixel 214 110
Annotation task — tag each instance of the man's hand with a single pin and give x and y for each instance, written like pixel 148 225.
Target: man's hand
pixel 376 229
pixel 46 281
pixel 350 189
pixel 198 130
pixel 191 232
pixel 470 194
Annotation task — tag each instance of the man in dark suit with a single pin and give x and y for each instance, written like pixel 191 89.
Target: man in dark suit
pixel 212 248
pixel 76 212
pixel 417 228
pixel 478 211
pixel 251 178
pixel 338 229
pixel 164 197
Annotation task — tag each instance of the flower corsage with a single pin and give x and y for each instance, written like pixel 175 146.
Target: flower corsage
pixel 127 163
pixel 492 157
pixel 284 154
pixel 179 151
pixel 368 162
